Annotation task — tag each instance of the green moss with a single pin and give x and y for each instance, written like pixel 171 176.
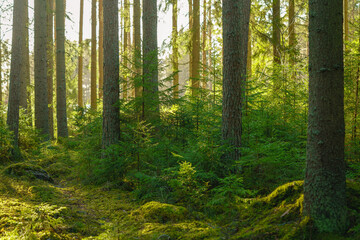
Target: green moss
pixel 284 194
pixel 58 169
pixel 185 230
pixel 160 212
pixel 43 193
pixel 27 171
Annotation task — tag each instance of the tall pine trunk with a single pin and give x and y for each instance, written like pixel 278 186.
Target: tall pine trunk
pixel 195 75
pixel 137 47
pixel 1 97
pixel 24 71
pixel 175 53
pixel 50 64
pixel 111 112
pixel 346 20
pixel 62 129
pixel 26 55
pixel 126 47
pixel 80 59
pixel 276 21
pixel 93 56
pixel 236 16
pixel 101 49
pixel 325 196
pixel 17 62
pixel 204 46
pixel 40 69
pixel 150 61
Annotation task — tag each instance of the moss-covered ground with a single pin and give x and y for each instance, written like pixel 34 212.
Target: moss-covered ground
pixel 43 198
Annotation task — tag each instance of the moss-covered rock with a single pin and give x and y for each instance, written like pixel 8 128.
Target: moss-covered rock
pixel 160 213
pixel 27 171
pixel 58 169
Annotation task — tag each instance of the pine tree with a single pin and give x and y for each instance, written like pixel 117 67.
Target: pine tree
pixel 150 61
pixel 40 68
pixel 137 47
pixel 235 36
pixel 111 112
pixel 195 74
pixel 325 196
pixel 101 49
pixel 17 62
pixel 62 129
pixel 50 64
pixel 24 68
pixel 80 59
pixel 93 55
pixel 175 54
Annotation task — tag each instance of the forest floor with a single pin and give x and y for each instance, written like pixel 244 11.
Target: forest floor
pixel 43 198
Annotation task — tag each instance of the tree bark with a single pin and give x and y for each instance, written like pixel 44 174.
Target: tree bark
pixel 80 59
pixel 210 42
pixel 190 39
pixel 62 129
pixel 325 196
pixel 292 39
pixel 236 16
pixel 24 71
pixel 17 62
pixel 101 49
pixel 1 94
pixel 27 62
pixel 126 46
pixel 111 112
pixel 137 47
pixel 50 64
pixel 346 20
pixel 175 54
pixel 40 69
pixel 93 56
pixel 204 46
pixel 150 61
pixel 276 31
pixel 195 76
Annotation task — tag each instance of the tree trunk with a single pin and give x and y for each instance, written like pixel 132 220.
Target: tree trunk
pixel 325 196
pixel 137 47
pixel 204 46
pixel 111 112
pixel 24 70
pixel 60 70
pixel 249 53
pixel 93 55
pixel 40 69
pixel 276 21
pixel 1 97
pixel 190 39
pixel 150 61
pixel 195 76
pixel 101 49
pixel 80 59
pixel 17 62
pixel 292 40
pixel 125 52
pixel 27 62
pixel 210 42
pixel 50 64
pixel 276 31
pixel 236 16
pixel 346 20
pixel 175 54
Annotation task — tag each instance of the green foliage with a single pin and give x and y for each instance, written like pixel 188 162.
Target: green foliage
pixel 187 189
pixel 5 139
pixel 228 193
